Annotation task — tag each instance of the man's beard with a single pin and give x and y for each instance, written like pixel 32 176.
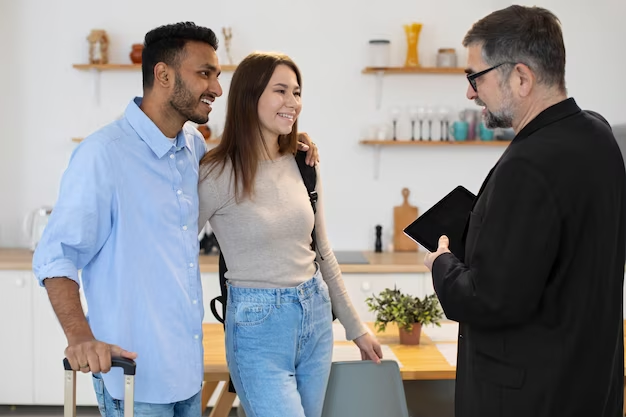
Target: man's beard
pixel 502 118
pixel 185 103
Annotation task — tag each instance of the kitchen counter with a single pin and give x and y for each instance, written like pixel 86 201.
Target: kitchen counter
pixel 371 263
pixel 15 259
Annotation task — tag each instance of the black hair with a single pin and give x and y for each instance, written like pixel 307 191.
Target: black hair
pixel 167 44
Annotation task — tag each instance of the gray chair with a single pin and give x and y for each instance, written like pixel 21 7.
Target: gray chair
pixel 364 389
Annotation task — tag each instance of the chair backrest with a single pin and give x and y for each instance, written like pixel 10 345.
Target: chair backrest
pixel 364 389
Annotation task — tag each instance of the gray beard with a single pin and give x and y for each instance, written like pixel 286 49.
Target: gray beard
pixel 502 118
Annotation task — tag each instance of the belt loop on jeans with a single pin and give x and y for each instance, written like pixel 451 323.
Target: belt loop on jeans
pixel 277 297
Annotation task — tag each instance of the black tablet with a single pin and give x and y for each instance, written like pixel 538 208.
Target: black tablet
pixel 447 217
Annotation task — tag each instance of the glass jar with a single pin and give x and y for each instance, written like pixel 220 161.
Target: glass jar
pixel 379 53
pixel 446 58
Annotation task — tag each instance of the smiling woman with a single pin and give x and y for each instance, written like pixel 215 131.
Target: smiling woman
pixel 279 287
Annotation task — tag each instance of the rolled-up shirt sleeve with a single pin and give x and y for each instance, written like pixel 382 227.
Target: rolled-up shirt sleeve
pixel 81 219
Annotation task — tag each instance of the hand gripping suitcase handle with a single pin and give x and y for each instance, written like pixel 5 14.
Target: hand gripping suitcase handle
pixel 127 365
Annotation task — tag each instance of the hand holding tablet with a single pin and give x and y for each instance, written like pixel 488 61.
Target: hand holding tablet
pixel 447 217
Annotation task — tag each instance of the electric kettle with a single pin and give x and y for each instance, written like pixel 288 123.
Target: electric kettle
pixel 34 224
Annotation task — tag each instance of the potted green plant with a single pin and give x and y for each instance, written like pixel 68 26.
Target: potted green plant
pixel 407 311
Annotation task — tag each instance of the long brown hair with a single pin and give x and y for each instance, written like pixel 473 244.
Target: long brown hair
pixel 242 129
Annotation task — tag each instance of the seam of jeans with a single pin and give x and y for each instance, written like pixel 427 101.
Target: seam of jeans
pixel 250 412
pixel 100 394
pixel 119 408
pixel 234 336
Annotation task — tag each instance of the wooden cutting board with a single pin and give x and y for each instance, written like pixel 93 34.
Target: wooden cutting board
pixel 403 216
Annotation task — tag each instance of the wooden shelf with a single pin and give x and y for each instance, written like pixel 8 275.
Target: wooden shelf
pixel 124 67
pixel 413 70
pixel 435 142
pixel 209 142
pixel 107 67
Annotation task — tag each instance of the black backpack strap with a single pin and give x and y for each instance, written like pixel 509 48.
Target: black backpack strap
pixel 223 299
pixel 309 177
pixel 224 296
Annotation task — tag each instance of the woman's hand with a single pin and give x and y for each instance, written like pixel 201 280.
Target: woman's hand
pixel 370 348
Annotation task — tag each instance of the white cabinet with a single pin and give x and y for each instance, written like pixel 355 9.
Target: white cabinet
pixel 16 345
pixel 49 347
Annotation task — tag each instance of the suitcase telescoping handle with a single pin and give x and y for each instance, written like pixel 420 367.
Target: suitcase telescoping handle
pixel 127 365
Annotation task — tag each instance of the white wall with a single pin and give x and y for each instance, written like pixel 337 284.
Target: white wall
pixel 11 188
pixel 45 101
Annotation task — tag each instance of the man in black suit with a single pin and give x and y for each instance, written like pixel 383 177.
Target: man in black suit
pixel 538 294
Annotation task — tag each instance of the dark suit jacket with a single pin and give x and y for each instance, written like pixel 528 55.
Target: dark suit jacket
pixel 539 293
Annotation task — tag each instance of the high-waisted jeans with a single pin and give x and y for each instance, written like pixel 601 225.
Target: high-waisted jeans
pixel 279 348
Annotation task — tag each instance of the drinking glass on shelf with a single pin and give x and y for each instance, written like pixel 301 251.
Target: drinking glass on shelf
pixel 430 114
pixel 414 117
pixel 444 121
pixel 421 115
pixel 381 132
pixel 395 115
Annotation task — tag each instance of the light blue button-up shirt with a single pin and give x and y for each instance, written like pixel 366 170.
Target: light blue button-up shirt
pixel 127 216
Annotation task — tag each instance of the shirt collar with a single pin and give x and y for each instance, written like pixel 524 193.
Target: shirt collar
pixel 150 133
pixel 550 115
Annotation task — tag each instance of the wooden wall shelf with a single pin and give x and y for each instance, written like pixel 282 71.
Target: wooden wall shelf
pixel 209 142
pixel 123 67
pixel 413 70
pixel 435 143
pixel 107 67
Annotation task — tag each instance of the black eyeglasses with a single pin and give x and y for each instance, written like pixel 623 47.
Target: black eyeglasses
pixel 472 77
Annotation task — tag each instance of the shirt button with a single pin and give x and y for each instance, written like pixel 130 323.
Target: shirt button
pixel 195 336
pixel 179 192
pixel 172 156
pixel 191 265
pixel 195 301
pixel 185 227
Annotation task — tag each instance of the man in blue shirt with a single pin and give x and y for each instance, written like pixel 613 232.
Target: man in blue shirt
pixel 127 216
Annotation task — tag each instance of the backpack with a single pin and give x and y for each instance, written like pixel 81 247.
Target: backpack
pixel 309 177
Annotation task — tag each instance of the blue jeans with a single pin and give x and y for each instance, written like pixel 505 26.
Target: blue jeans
pixel 279 348
pixel 110 407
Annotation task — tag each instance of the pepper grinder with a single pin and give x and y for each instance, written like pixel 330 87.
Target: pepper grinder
pixel 379 244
